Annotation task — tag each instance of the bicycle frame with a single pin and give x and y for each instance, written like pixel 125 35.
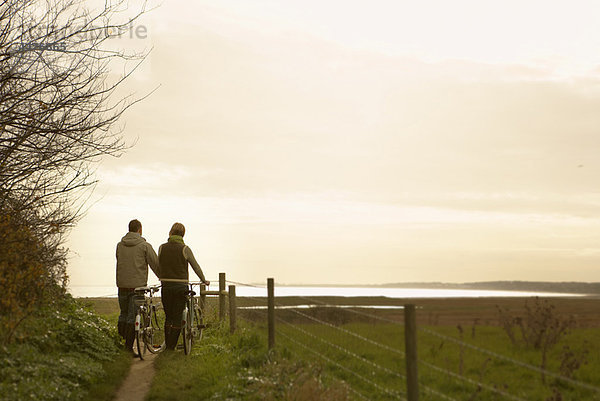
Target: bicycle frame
pixel 145 312
pixel 191 320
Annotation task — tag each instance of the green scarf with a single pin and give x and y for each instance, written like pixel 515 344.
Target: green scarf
pixel 176 238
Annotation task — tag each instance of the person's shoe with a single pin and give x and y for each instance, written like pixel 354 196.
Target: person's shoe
pixel 173 338
pixel 129 336
pixel 168 337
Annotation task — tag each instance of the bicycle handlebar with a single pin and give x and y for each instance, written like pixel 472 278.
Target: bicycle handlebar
pixel 153 288
pixel 196 282
pixel 177 280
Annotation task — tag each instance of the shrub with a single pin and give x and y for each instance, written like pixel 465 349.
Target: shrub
pixel 59 353
pixel 541 327
pixel 23 276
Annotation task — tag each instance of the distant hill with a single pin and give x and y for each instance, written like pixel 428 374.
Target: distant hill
pixel 537 286
pixel 570 287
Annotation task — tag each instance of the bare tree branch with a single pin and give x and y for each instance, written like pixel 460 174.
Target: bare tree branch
pixel 58 112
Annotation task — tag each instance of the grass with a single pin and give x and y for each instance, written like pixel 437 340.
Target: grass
pixel 476 366
pixel 115 372
pixel 63 352
pixel 239 367
pixel 106 307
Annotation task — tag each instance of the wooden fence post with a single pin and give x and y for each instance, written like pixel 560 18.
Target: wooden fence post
pixel 221 296
pixel 232 306
pixel 271 311
pixel 410 338
pixel 202 298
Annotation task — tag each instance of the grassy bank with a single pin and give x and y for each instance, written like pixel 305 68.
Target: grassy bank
pixel 315 361
pixel 64 351
pixel 239 367
pixel 448 368
pixel 460 368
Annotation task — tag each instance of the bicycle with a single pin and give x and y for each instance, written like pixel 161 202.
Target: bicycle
pixel 191 320
pixel 149 333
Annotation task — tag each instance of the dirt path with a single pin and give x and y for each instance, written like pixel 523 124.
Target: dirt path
pixel 137 383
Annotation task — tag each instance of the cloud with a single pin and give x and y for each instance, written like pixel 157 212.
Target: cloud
pixel 263 114
pixel 284 150
pixel 134 178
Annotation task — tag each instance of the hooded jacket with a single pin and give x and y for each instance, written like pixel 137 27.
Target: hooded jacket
pixel 134 255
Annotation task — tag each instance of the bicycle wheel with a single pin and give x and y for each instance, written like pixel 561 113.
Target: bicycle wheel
pixel 186 328
pixel 199 322
pixel 154 333
pixel 139 335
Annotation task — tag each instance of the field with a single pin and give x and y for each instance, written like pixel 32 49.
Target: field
pixel 365 347
pixel 463 373
pixel 464 351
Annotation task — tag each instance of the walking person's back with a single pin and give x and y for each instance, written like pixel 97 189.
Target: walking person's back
pixel 134 255
pixel 174 257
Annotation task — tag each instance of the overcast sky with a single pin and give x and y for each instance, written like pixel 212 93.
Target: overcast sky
pixel 361 142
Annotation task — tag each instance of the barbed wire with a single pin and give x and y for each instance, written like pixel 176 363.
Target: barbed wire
pixel 383 368
pixel 261 300
pixel 357 375
pixel 512 360
pixel 324 304
pixel 439 335
pixel 353 391
pixel 351 310
pixel 386 347
pixel 348 386
pixel 340 348
pixel 246 284
pixel 471 381
pixel 436 393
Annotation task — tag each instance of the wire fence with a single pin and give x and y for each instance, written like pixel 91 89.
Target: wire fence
pixel 297 335
pixel 362 378
pixel 368 358
pixel 513 361
pixel 355 393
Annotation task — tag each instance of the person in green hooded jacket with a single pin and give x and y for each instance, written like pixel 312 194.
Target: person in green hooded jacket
pixel 174 256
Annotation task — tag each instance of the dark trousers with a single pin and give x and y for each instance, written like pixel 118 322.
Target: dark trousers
pixel 126 305
pixel 126 323
pixel 174 297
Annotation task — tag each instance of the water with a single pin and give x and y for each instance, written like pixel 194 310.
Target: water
pixel 308 306
pixel 111 292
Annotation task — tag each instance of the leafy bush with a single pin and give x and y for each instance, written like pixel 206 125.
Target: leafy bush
pixel 22 274
pixel 541 327
pixel 59 354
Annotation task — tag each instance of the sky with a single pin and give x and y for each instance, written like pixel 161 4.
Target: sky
pixel 342 142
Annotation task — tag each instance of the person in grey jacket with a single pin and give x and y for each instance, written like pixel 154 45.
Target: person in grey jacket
pixel 134 255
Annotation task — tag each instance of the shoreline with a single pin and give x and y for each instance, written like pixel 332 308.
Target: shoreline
pixel 431 311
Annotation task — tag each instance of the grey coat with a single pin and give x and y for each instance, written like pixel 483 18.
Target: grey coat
pixel 134 255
